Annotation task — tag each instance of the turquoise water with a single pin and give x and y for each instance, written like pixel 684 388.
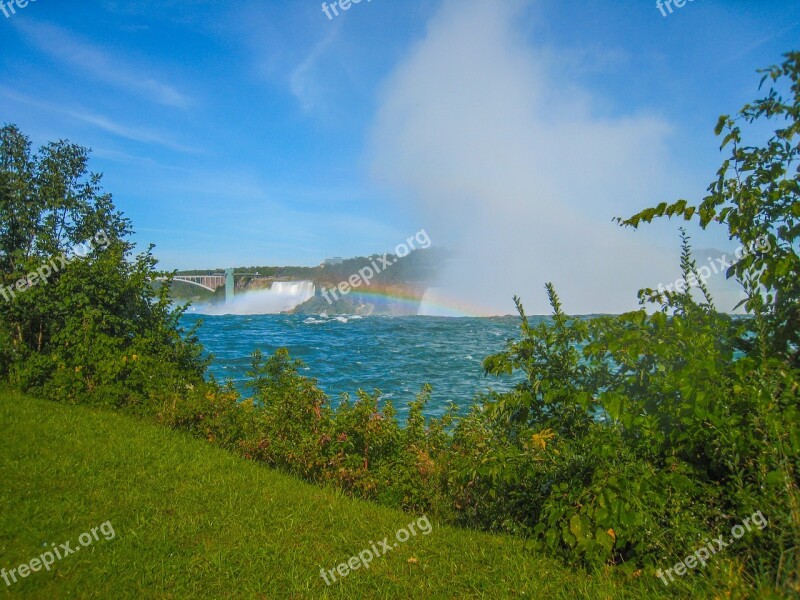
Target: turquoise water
pixel 396 355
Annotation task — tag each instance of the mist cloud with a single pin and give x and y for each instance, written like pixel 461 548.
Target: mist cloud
pixel 507 161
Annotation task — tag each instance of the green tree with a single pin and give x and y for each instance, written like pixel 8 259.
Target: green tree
pixel 91 327
pixel 756 196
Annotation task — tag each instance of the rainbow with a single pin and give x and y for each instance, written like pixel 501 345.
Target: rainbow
pixel 434 302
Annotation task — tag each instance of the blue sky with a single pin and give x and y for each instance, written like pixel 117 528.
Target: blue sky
pixel 264 133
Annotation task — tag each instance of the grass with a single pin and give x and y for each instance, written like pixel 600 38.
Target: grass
pixel 193 521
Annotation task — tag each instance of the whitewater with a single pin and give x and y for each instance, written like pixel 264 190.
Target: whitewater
pixel 282 297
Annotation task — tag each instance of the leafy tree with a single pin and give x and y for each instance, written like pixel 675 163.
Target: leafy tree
pixel 757 197
pixel 79 319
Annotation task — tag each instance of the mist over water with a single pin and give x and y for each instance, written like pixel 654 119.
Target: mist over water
pixel 522 174
pixel 283 296
pixel 436 303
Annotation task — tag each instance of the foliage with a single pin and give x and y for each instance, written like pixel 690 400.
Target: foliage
pixel 194 522
pixel 757 197
pixel 93 329
pixel 630 440
pixel 695 413
pixel 357 446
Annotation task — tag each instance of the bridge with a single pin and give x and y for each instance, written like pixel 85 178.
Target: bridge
pixel 207 282
pixel 213 282
pixel 210 282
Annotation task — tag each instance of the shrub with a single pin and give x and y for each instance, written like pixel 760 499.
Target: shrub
pixel 93 330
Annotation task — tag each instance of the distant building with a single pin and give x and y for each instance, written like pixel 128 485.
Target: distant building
pixel 336 260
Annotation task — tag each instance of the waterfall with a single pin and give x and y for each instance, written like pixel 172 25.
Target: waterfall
pixel 281 297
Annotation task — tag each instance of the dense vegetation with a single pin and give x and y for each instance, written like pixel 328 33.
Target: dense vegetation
pixel 632 440
pixel 193 521
pixel 93 330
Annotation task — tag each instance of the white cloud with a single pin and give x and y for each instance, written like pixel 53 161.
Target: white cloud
pixel 101 122
pixel 508 160
pixel 303 82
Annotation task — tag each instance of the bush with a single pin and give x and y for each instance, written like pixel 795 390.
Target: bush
pixel 630 441
pixel 91 329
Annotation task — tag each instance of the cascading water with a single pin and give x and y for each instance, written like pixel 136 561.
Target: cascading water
pixel 281 297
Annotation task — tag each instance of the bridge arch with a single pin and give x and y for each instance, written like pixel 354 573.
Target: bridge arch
pixel 208 282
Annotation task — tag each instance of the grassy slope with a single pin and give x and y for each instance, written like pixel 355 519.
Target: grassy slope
pixel 195 521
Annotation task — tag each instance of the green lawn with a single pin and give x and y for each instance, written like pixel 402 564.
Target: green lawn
pixel 194 521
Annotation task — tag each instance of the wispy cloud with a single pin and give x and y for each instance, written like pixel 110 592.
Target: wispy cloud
pixel 283 53
pixel 64 47
pixel 762 41
pixel 126 158
pixel 304 85
pixel 101 122
pixel 138 135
